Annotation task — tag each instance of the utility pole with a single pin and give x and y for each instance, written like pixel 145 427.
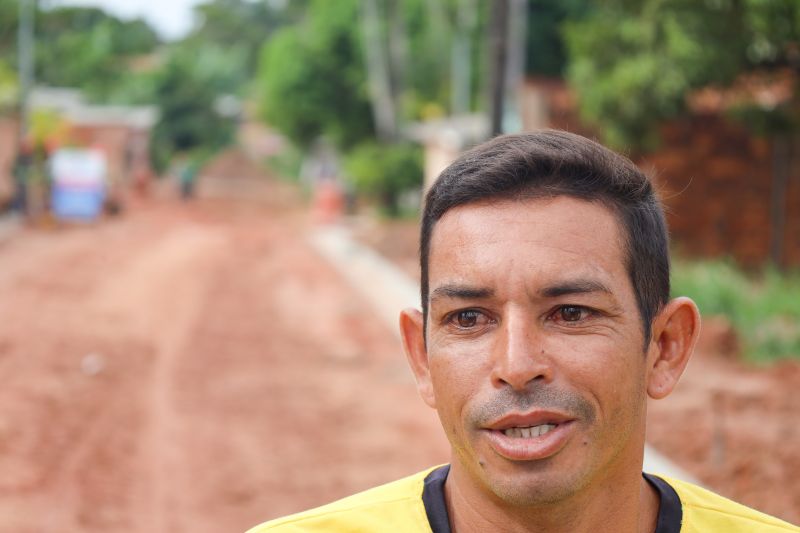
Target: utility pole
pixel 461 62
pixel 498 49
pixel 378 75
pixel 515 65
pixel 25 44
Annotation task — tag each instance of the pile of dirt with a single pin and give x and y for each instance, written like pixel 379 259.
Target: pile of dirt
pixel 233 163
pixel 233 175
pixel 734 427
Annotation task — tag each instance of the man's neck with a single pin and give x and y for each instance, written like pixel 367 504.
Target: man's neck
pixel 629 505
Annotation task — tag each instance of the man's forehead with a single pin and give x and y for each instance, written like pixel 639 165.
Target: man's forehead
pixel 575 235
pixel 557 215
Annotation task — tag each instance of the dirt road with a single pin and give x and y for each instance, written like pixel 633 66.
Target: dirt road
pixel 192 368
pixel 199 368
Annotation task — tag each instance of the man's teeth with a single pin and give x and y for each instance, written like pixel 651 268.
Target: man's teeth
pixel 528 432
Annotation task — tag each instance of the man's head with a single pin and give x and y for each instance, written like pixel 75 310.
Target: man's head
pixel 551 163
pixel 545 278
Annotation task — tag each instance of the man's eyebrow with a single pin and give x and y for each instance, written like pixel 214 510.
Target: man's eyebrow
pixel 579 286
pixel 464 292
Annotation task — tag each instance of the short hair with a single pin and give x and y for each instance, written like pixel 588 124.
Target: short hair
pixel 550 163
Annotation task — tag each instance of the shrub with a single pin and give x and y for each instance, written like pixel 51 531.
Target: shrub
pixel 764 308
pixel 385 172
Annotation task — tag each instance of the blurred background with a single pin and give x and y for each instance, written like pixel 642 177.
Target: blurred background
pixel 208 222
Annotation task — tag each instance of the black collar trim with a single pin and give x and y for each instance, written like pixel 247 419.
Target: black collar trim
pixel 670 510
pixel 433 498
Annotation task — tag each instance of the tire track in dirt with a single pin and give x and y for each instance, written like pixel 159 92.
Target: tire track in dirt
pixel 161 284
pixel 239 376
pixel 57 466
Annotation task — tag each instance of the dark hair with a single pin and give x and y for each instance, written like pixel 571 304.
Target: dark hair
pixel 549 163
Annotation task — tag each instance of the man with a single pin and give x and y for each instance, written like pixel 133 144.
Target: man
pixel 545 325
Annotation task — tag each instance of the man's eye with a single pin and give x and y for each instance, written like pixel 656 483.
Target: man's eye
pixel 467 319
pixel 571 313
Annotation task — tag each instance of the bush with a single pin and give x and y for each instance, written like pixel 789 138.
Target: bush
pixel 385 172
pixel 286 164
pixel 764 309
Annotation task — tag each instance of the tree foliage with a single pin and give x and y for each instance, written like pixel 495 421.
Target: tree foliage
pixel 8 86
pixel 633 63
pixel 239 27
pixel 186 91
pixel 215 60
pixel 311 78
pixel 79 47
pixel 385 172
pixel 546 53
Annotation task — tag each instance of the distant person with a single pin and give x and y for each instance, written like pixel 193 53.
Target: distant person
pixel 21 170
pixel 546 324
pixel 187 175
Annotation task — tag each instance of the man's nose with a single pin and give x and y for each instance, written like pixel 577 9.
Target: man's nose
pixel 520 356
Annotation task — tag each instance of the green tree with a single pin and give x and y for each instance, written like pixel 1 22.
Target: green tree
pixel 9 21
pixel 311 78
pixel 78 47
pixel 87 48
pixel 240 27
pixel 186 94
pixel 546 53
pixel 9 87
pixel 633 63
pixel 385 171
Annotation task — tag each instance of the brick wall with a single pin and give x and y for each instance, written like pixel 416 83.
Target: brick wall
pixel 714 176
pixel 716 180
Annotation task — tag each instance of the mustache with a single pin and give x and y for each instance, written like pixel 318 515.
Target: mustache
pixel 508 400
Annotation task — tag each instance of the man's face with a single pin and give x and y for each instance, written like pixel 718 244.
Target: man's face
pixel 534 346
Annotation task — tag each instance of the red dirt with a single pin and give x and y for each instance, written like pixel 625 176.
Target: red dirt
pixel 193 368
pixel 734 426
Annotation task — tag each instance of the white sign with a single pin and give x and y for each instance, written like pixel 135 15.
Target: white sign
pixel 79 183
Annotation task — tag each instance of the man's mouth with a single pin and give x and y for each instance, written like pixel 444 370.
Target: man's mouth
pixel 530 436
pixel 527 432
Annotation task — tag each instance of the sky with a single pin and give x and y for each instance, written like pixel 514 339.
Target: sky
pixel 170 18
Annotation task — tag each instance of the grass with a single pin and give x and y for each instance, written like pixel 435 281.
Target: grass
pixel 764 308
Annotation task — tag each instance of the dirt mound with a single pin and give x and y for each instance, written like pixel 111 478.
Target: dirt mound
pixel 233 164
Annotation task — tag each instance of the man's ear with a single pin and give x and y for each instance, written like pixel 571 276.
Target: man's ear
pixel 674 334
pixel 412 329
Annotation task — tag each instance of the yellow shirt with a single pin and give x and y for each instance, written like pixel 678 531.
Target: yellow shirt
pixel 414 503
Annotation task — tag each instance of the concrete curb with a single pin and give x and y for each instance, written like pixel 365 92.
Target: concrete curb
pixel 389 290
pixel 385 287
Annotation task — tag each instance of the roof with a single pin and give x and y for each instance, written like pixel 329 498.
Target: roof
pixel 71 103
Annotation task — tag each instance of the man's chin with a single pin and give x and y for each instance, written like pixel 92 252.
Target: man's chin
pixel 531 483
pixel 534 487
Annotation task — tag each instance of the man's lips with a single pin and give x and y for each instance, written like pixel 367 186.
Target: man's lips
pixel 529 436
pixel 529 419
